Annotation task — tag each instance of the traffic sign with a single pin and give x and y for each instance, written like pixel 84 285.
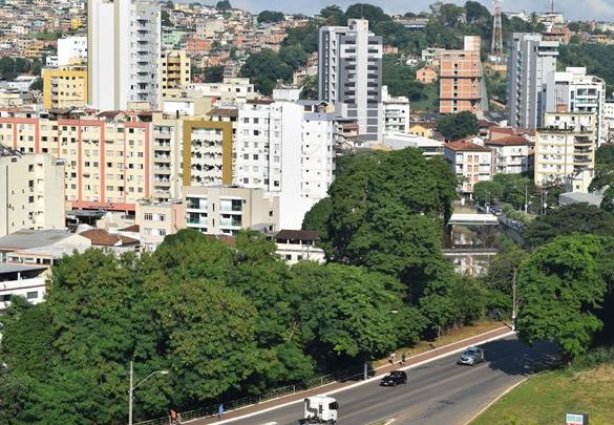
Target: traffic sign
pixel 576 419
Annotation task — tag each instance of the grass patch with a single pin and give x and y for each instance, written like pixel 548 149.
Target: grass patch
pixel 449 337
pixel 431 102
pixel 546 397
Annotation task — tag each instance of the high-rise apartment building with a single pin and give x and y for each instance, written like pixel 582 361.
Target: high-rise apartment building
pixel 286 148
pixel 31 191
pixel 175 73
pixel 460 79
pixel 123 53
pixel 350 74
pixel 108 157
pixel 64 87
pixel 564 147
pixel 574 91
pixel 531 66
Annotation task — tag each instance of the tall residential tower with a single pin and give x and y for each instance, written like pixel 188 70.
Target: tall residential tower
pixel 531 66
pixel 350 74
pixel 123 53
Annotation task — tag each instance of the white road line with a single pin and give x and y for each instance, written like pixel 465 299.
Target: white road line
pixel 499 397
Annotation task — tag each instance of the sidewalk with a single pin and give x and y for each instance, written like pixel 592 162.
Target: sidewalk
pixel 339 386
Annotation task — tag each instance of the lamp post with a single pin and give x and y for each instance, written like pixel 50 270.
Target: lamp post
pixel 134 386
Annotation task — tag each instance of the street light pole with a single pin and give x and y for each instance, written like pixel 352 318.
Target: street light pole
pixel 133 387
pixel 130 393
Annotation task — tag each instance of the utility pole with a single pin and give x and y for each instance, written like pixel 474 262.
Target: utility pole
pixel 130 395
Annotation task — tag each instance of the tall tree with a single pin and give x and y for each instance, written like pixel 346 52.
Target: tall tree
pixel 576 218
pixel 457 126
pixel 560 290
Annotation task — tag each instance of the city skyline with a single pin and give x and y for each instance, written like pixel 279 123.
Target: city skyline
pixel 585 10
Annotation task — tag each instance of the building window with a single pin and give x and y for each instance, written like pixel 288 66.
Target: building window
pixel 32 295
pixel 148 217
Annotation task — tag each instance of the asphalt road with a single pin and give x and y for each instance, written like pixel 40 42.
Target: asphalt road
pixel 439 393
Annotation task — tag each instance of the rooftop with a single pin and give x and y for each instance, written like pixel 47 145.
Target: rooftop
pixel 26 239
pixel 462 146
pixel 508 141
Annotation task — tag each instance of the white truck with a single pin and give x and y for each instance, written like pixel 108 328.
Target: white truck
pixel 320 409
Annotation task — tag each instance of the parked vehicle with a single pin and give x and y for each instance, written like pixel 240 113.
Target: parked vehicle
pixel 394 378
pixel 320 410
pixel 496 210
pixel 471 356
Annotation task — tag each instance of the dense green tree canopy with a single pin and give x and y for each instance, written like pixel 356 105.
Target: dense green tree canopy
pixel 225 321
pixel 576 218
pixel 223 5
pixel 264 69
pixel 214 74
pixel 487 192
pixel 560 291
pixel 270 16
pixel 604 176
pixel 457 126
pixel 333 16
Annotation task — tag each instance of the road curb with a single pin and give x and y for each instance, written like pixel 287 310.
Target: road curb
pixel 499 397
pixel 463 347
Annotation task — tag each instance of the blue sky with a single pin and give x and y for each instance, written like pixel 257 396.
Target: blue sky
pixel 573 9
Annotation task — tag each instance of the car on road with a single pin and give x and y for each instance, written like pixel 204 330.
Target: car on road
pixel 394 378
pixel 496 210
pixel 471 356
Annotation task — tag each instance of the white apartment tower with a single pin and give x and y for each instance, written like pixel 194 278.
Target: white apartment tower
pixel 285 148
pixel 564 147
pixel 123 53
pixel 531 65
pixel 574 91
pixel 350 74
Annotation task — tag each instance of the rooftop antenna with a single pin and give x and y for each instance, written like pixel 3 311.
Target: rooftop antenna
pixel 552 6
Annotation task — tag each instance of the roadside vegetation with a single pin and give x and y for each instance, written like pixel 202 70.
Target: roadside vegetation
pixel 548 396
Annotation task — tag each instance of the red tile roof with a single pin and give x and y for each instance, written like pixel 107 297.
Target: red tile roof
pixel 509 141
pixel 101 237
pixel 461 146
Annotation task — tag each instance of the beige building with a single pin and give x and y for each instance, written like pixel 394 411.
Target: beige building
pixel 156 221
pixel 175 73
pixel 64 87
pixel 31 191
pixel 226 210
pixel 461 78
pixel 107 156
pixel 565 147
pixel 231 91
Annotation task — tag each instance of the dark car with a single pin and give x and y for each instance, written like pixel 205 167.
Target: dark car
pixel 394 378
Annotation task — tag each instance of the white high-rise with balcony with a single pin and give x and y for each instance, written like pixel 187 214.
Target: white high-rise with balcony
pixel 574 91
pixel 350 74
pixel 123 53
pixel 286 148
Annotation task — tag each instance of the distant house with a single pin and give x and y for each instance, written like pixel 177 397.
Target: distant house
pixel 510 155
pixel 427 74
pixel 298 245
pixel 117 243
pixel 422 129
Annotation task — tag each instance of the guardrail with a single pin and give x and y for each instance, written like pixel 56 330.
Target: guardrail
pixel 212 410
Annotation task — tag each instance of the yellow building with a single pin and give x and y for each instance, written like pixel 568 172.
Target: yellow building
pixel 207 153
pixel 421 130
pixel 175 73
pixel 64 87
